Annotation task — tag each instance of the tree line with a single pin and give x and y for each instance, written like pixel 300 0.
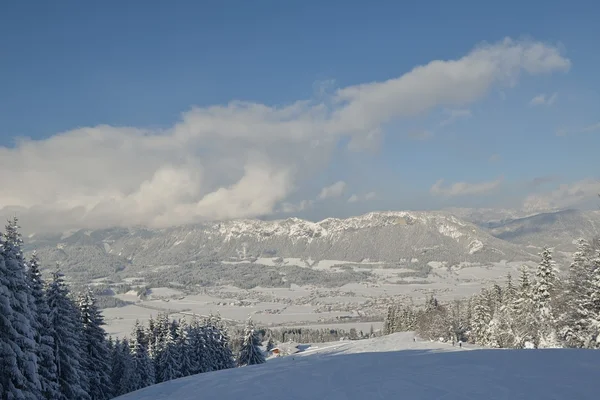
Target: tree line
pixel 53 344
pixel 541 310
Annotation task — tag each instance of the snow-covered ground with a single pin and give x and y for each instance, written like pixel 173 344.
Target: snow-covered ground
pixel 395 367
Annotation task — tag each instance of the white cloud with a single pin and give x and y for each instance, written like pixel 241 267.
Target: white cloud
pixel 543 99
pixel 464 188
pixel 335 190
pixel 290 208
pixel 356 198
pixel 237 160
pixel 453 115
pixel 574 195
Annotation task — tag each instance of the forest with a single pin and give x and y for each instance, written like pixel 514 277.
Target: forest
pixel 53 345
pixel 543 309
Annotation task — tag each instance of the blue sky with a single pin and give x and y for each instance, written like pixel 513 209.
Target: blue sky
pixel 134 71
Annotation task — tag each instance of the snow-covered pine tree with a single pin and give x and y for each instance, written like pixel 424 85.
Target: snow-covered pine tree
pixel 66 328
pixel 168 363
pixel 143 368
pixel 122 368
pixel 96 356
pixel 543 295
pixel 199 361
pixel 526 329
pixel 482 315
pixel 218 336
pixel 389 321
pixel 594 341
pixel 505 331
pixel 44 337
pixel 183 349
pixel 12 381
pixel 22 317
pixel 250 353
pixel 576 315
pixel 271 344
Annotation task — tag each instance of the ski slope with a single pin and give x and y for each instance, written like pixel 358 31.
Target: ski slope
pixel 395 367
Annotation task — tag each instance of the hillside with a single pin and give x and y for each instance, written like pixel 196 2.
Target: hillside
pixel 559 229
pixel 393 367
pixel 386 237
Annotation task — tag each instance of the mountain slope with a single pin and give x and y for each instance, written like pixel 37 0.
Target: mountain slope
pixel 375 369
pixel 559 229
pixel 379 236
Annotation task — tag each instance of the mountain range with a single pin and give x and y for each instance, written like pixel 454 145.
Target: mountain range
pixel 390 238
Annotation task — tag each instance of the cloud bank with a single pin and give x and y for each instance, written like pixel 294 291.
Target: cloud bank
pixel 237 160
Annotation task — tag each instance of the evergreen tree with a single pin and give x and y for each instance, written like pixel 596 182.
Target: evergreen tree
pixel 525 322
pixel 543 294
pixel 183 349
pixel 22 320
pixel 219 342
pixel 44 333
pixel 168 363
pixel 482 315
pixel 66 328
pixel 271 345
pixel 96 359
pixel 143 368
pixel 12 380
pixel 250 353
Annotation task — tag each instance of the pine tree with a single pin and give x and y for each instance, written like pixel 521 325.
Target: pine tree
pixel 122 368
pixel 218 354
pixel 250 353
pixel 143 368
pixel 44 333
pixel 482 315
pixel 23 320
pixel 183 349
pixel 543 294
pixel 96 351
pixel 168 366
pixel 576 317
pixel 12 381
pixel 67 331
pixel 525 321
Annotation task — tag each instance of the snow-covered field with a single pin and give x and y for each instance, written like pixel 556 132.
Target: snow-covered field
pixel 306 305
pixel 395 367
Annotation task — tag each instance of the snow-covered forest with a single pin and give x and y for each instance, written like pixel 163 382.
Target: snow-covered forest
pixel 53 345
pixel 542 310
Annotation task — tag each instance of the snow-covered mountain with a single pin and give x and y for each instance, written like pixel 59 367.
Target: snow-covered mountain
pixel 389 237
pixel 395 367
pixel 559 229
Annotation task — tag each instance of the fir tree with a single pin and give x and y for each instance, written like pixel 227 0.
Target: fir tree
pixel 143 368
pixel 525 322
pixel 66 327
pixel 482 315
pixel 250 353
pixel 543 293
pixel 168 363
pixel 183 349
pixel 12 380
pixel 44 333
pixel 23 320
pixel 96 351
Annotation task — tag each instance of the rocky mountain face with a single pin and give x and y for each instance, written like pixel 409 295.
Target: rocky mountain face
pixel 389 237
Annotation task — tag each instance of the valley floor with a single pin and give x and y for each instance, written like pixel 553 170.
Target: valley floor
pixel 395 367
